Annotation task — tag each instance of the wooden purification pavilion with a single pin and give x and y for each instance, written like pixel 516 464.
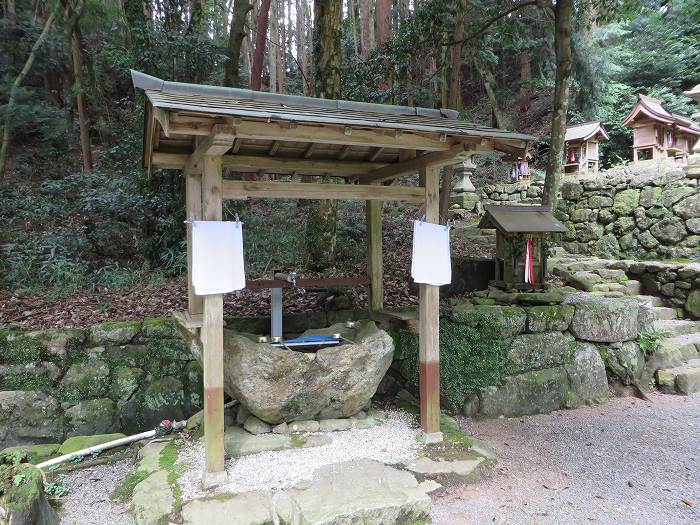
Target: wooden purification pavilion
pixel 204 130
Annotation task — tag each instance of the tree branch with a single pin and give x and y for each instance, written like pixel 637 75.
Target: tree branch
pixel 490 22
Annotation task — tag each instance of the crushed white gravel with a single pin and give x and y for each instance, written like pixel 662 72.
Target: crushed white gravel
pixel 392 442
pixel 89 500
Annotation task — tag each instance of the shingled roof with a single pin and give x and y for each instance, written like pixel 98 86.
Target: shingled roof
pixel 585 131
pixel 653 108
pixel 520 219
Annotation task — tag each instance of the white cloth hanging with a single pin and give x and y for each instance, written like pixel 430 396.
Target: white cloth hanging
pixel 430 262
pixel 217 257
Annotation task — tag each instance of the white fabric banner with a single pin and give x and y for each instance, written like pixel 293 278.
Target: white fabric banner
pixel 430 262
pixel 217 257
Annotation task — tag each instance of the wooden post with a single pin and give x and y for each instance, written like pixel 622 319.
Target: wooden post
pixel 375 265
pixel 193 202
pixel 212 336
pixel 429 322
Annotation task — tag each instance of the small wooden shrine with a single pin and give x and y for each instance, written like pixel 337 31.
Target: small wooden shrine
pixel 519 166
pixel 521 248
pixel 658 133
pixel 581 152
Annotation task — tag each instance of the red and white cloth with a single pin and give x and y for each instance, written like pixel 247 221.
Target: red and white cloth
pixel 529 262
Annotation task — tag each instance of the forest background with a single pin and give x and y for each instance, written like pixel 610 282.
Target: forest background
pixel 82 223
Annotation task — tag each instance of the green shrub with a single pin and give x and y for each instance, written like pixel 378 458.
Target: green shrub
pixel 470 357
pixel 649 340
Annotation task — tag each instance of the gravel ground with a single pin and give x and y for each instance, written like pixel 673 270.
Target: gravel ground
pixel 628 462
pixel 394 441
pixel 89 502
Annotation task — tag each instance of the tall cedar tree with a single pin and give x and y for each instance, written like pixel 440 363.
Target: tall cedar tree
pixel 321 223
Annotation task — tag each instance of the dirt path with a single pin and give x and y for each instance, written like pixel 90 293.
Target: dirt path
pixel 627 462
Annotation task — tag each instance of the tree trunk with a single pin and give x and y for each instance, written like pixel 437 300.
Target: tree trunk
pixel 366 28
pixel 259 53
pixel 562 50
pixel 302 51
pixel 353 26
pixel 488 79
pixel 85 148
pixel 273 54
pixel 326 48
pixel 321 222
pixel 384 19
pixel 232 75
pixel 13 90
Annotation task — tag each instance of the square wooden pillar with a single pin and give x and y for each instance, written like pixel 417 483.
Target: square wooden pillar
pixel 429 326
pixel 375 264
pixel 212 336
pixel 193 205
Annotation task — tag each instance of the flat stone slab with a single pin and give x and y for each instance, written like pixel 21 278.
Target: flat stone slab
pixel 363 492
pixel 153 499
pixel 680 380
pixel 434 468
pixel 677 327
pixel 238 442
pixel 149 456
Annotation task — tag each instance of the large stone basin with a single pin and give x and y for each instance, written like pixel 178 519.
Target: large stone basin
pixel 280 385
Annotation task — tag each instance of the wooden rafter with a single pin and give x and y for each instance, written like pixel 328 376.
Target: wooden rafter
pixel 215 145
pixel 439 158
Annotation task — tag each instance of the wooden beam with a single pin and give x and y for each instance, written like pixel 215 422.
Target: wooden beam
pixel 212 334
pixel 344 152
pixel 375 154
pixel 429 323
pixel 273 149
pixel 237 189
pixel 309 150
pixel 262 284
pixel 249 163
pixel 193 205
pixel 325 134
pixel 375 266
pixel 435 159
pixel 214 145
pixel 162 116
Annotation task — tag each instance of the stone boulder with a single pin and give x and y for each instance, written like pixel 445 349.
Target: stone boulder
pixel 25 503
pixel 94 416
pixel 29 417
pixel 536 392
pixel 604 320
pixel 587 374
pixel 278 385
pixel 624 361
pixel 542 350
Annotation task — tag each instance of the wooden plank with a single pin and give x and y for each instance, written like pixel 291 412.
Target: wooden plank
pixel 248 163
pixel 429 322
pixel 328 134
pixel 375 266
pixel 262 284
pixel 435 159
pixel 396 320
pixel 212 333
pixel 193 205
pixel 235 189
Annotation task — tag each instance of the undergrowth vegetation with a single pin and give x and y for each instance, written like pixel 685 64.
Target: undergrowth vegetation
pixel 471 357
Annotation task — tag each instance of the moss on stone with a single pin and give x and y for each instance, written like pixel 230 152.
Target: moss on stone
pixel 168 456
pixel 86 380
pixel 26 381
pixel 298 441
pixel 125 490
pixel 153 327
pixel 114 332
pixel 77 443
pixel 17 348
pixel 31 453
pixel 125 382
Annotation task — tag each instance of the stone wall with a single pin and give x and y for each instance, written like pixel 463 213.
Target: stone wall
pixel 563 347
pixel 116 376
pixel 521 192
pixel 635 212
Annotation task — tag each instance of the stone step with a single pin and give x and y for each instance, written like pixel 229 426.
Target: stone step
pixel 683 379
pixel 649 300
pixel 677 326
pixel 664 314
pixel 688 344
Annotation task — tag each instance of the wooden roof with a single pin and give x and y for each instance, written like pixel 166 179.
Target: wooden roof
pixel 286 134
pixel 647 107
pixel 586 131
pixel 520 219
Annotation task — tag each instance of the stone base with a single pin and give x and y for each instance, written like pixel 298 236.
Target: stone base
pixel 214 479
pixel 429 437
